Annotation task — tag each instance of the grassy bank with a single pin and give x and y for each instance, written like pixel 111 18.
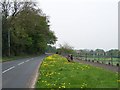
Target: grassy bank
pixel 57 72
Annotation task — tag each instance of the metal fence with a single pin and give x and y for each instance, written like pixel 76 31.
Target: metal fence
pixel 102 60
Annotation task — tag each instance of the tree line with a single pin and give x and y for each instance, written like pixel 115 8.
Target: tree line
pixel 25 29
pixel 114 53
pixel 66 49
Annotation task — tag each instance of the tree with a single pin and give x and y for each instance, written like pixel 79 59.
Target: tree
pixel 51 49
pixel 8 8
pixel 66 49
pixel 113 53
pixel 99 52
pixel 29 29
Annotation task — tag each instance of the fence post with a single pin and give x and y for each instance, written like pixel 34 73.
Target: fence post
pixel 98 56
pixel 86 56
pixel 111 59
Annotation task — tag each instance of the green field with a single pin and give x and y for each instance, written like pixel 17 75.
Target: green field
pixel 114 61
pixel 57 72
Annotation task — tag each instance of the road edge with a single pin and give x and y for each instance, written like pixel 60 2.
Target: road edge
pixel 36 76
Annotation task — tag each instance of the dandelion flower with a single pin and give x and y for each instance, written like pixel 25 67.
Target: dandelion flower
pixel 118 80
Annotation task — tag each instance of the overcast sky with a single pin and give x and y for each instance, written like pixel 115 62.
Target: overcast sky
pixel 84 24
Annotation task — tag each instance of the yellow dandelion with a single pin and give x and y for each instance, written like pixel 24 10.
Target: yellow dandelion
pixel 118 80
pixel 48 84
pixel 42 81
pixel 63 86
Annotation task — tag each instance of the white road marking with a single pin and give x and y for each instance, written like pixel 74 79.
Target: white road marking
pixel 20 63
pixel 27 60
pixel 14 66
pixel 32 58
pixel 8 69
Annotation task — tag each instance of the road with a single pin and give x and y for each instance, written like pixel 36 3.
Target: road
pixel 20 73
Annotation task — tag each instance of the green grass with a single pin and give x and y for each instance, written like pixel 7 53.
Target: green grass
pixel 57 72
pixel 0 59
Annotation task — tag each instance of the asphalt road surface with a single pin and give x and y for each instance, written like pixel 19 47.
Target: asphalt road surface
pixel 20 73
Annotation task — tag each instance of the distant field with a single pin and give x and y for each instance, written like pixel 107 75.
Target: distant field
pixel 114 61
pixel 105 58
pixel 57 72
pixel 101 58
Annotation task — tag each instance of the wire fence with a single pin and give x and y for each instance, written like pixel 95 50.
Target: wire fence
pixel 102 60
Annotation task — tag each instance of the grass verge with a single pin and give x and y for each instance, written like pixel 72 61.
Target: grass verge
pixel 57 72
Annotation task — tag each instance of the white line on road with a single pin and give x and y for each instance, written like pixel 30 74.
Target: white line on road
pixel 14 66
pixel 8 69
pixel 27 60
pixel 20 63
pixel 32 58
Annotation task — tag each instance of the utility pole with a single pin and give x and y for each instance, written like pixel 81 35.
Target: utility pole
pixel 9 42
